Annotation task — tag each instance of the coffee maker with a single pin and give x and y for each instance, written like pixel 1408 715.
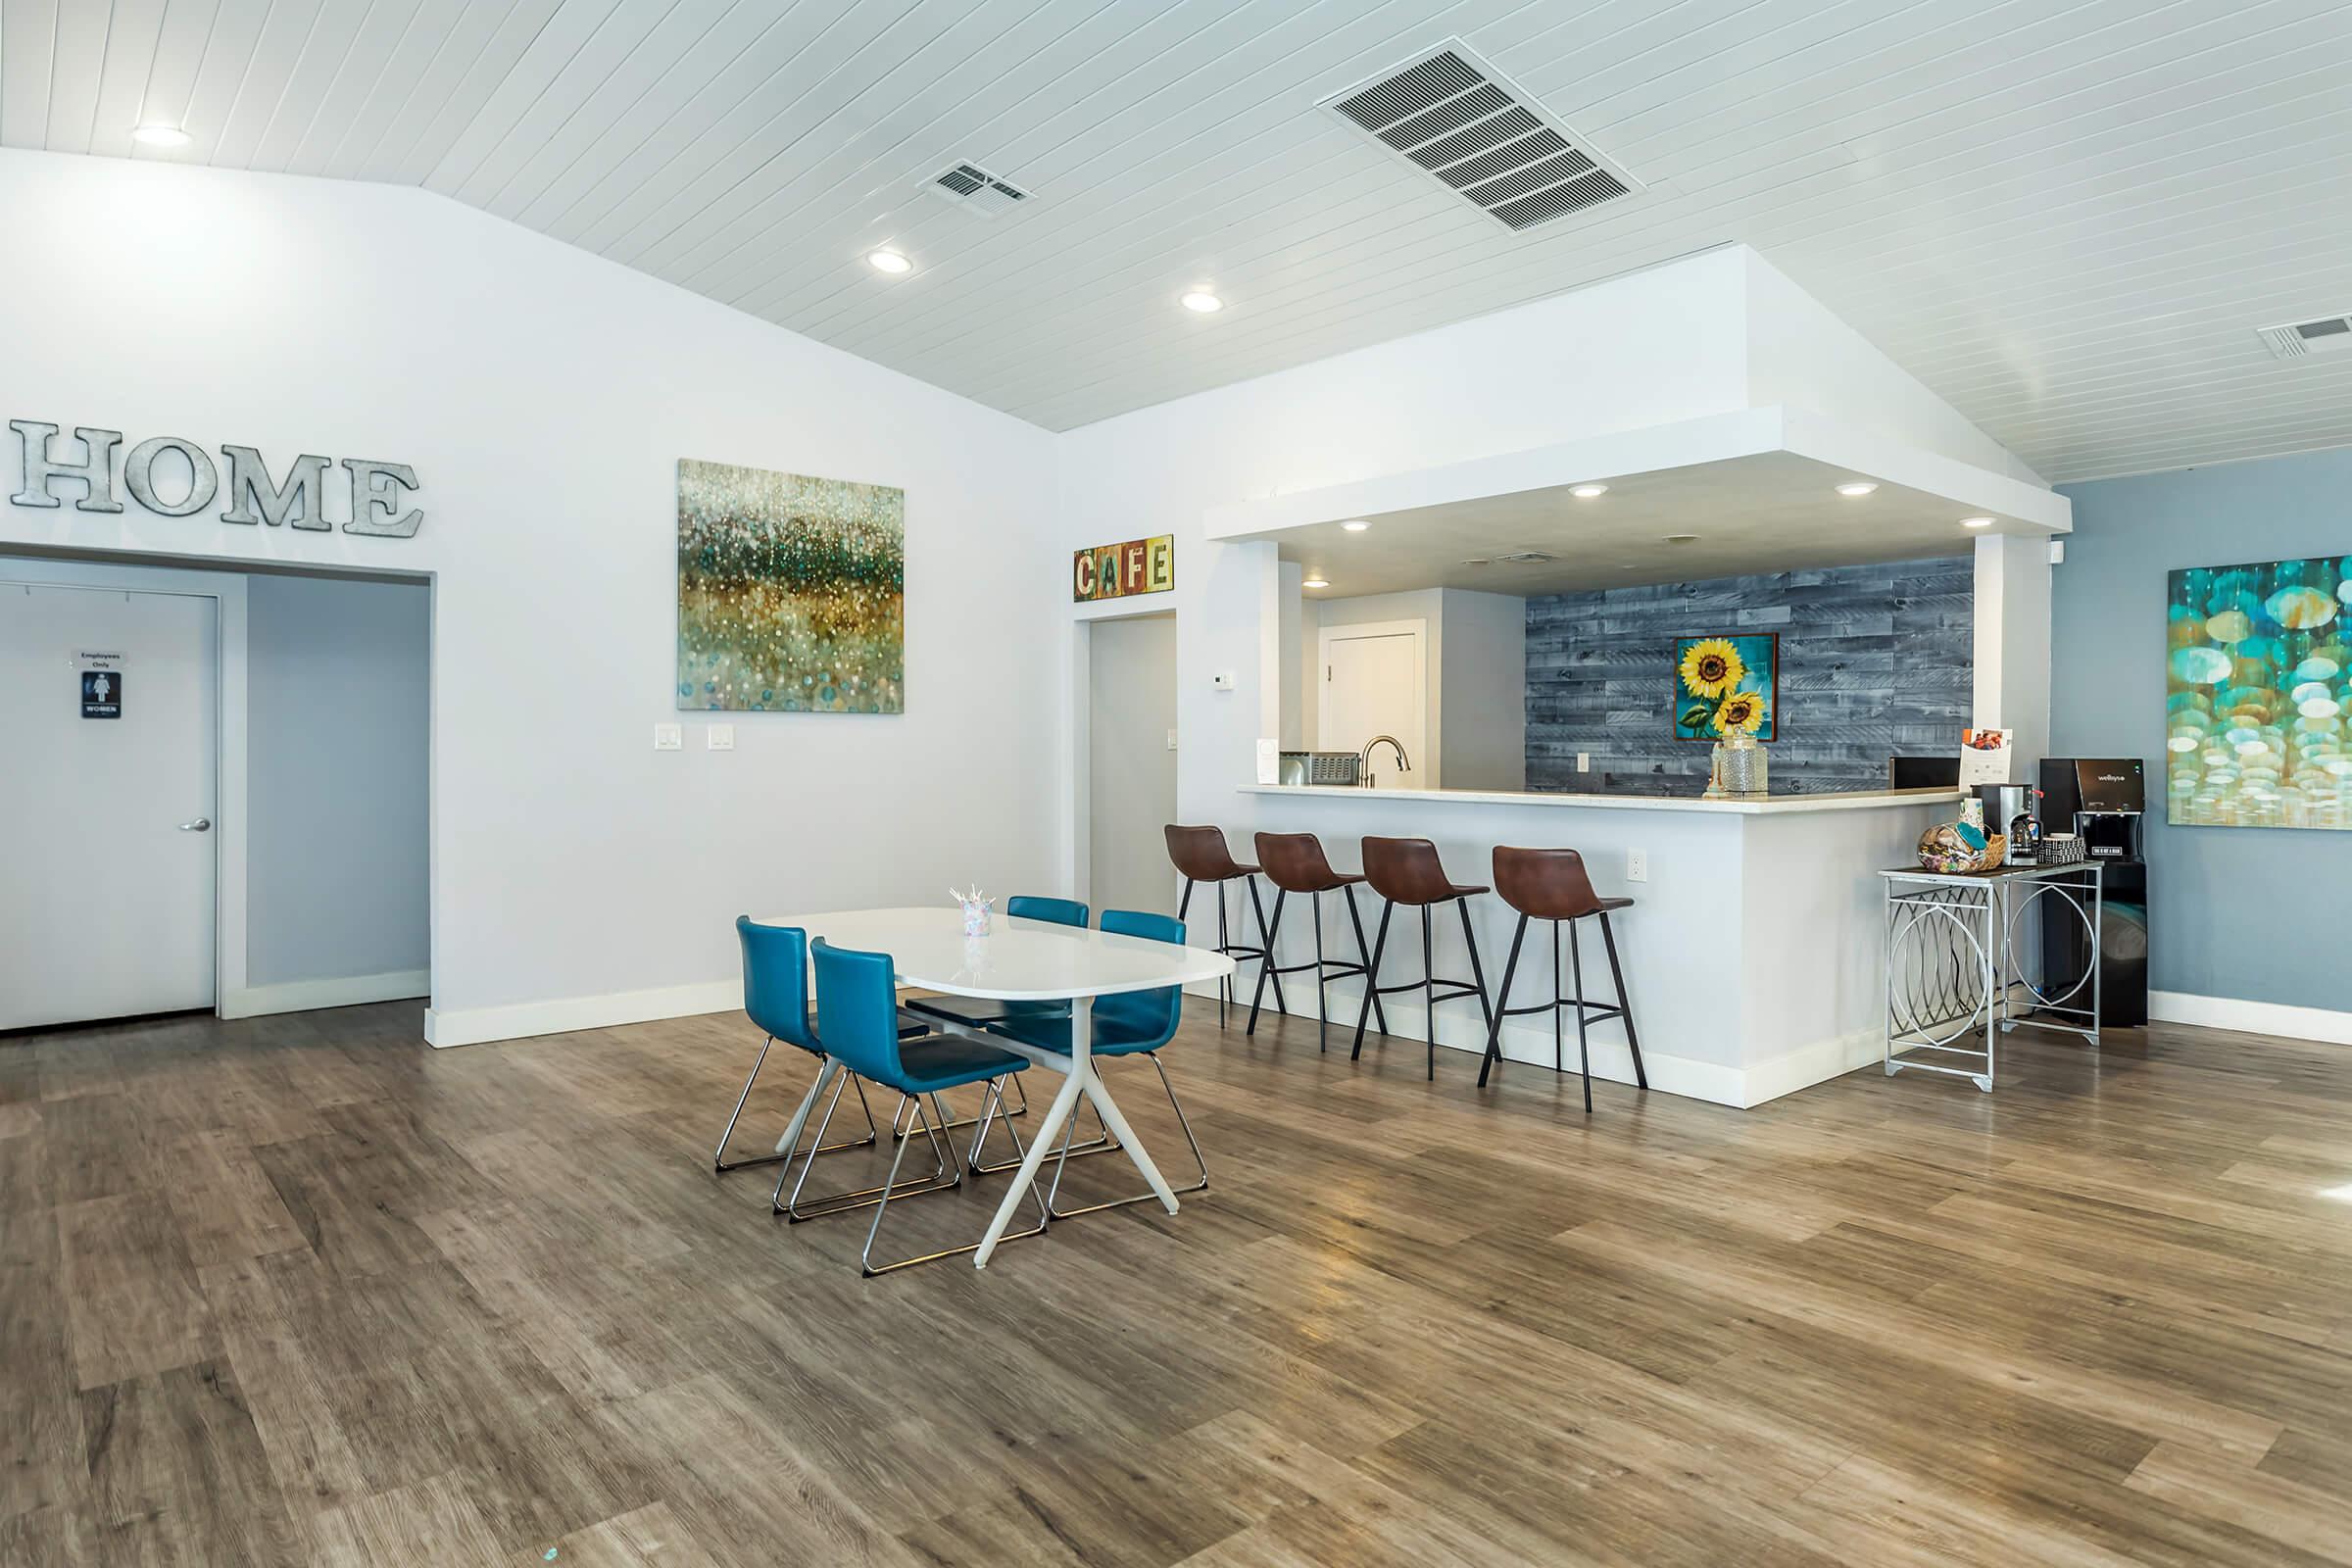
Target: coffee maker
pixel 2009 809
pixel 2103 801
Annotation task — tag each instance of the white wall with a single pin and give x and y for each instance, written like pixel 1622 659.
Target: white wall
pixel 336 750
pixel 544 396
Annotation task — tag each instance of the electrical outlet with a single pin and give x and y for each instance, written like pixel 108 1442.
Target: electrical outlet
pixel 669 737
pixel 719 737
pixel 1583 761
pixel 1637 866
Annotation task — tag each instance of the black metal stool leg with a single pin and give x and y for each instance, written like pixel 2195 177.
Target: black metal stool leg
pixel 1379 1014
pixel 1510 966
pixel 1478 973
pixel 1583 1055
pixel 1559 1043
pixel 1265 967
pixel 1380 945
pixel 1429 994
pixel 1624 1003
pixel 1186 901
pixel 1265 944
pixel 1314 902
pixel 1224 939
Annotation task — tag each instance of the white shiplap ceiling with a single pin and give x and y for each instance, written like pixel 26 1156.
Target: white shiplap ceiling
pixel 2067 219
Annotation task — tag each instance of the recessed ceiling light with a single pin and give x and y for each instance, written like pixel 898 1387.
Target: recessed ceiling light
pixel 1356 526
pixel 1202 301
pixel 1976 523
pixel 1681 538
pixel 1585 492
pixel 1859 487
pixel 1315 582
pixel 890 261
pixel 159 135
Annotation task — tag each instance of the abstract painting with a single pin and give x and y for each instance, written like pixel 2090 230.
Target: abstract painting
pixel 791 592
pixel 1723 685
pixel 2256 695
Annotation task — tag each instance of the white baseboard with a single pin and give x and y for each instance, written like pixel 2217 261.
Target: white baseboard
pixel 301 996
pixel 476 1026
pixel 1717 1083
pixel 2252 1017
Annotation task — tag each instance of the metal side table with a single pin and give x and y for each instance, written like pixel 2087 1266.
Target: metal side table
pixel 1954 969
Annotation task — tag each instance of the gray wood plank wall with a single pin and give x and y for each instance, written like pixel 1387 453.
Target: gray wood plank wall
pixel 1874 663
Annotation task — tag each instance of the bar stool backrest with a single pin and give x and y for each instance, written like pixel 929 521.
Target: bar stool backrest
pixel 1296 863
pixel 1405 870
pixel 1199 853
pixel 775 980
pixel 1548 884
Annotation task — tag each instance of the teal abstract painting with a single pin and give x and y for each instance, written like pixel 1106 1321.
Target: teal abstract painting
pixel 2256 695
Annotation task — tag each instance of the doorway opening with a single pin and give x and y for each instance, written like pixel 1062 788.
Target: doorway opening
pixel 1129 762
pixel 218 798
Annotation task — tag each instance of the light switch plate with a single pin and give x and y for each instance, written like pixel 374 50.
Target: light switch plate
pixel 1171 740
pixel 669 737
pixel 719 737
pixel 1637 866
pixel 1583 761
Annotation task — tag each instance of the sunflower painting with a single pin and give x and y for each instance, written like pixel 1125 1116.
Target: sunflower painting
pixel 1726 686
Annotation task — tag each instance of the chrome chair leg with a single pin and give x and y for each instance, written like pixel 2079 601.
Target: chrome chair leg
pixel 1101 1143
pixel 898 1116
pixel 838 1202
pixel 718 1157
pixel 943 1149
pixel 1061 1163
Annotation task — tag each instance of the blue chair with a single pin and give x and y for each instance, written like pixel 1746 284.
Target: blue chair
pixel 775 996
pixel 856 1017
pixel 1131 1023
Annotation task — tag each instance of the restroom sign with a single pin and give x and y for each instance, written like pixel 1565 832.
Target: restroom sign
pixel 1112 571
pixel 101 684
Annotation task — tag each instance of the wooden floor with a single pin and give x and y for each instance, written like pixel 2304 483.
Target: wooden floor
pixel 299 1289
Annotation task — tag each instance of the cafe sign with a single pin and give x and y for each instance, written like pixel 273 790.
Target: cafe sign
pixel 1113 571
pixel 174 477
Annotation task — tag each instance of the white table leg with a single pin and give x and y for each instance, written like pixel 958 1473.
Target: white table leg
pixel 1041 1140
pixel 800 1116
pixel 1125 1134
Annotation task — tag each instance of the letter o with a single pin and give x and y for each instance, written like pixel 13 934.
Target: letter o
pixel 138 476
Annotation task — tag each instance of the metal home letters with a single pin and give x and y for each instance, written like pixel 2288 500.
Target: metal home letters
pixel 253 496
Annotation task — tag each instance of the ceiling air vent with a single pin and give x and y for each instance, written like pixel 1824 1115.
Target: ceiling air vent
pixel 2330 334
pixel 1525 558
pixel 975 189
pixel 1453 117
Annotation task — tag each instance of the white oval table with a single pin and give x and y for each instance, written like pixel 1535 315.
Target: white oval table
pixel 1018 960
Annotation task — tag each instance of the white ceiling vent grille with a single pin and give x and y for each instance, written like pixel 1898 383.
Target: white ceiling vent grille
pixel 2330 334
pixel 1525 558
pixel 974 188
pixel 1451 115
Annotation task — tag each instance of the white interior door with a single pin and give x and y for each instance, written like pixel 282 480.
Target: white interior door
pixel 1376 682
pixel 1131 767
pixel 106 899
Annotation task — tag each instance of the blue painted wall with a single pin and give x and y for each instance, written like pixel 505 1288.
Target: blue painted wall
pixel 2256 913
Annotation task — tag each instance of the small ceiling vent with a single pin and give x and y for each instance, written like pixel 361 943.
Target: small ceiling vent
pixel 1526 558
pixel 1459 119
pixel 975 189
pixel 2330 334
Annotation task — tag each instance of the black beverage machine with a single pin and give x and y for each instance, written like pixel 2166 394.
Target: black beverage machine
pixel 2103 801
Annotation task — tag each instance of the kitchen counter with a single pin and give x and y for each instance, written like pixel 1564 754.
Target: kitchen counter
pixel 1769 805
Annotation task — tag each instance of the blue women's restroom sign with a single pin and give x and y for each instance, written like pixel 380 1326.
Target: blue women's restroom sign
pixel 101 685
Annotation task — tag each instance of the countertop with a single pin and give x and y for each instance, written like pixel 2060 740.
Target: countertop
pixel 1770 806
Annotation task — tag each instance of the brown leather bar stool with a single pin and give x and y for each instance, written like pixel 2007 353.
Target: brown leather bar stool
pixel 1552 885
pixel 1408 871
pixel 1201 856
pixel 1294 863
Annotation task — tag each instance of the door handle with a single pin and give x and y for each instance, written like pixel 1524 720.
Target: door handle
pixel 203 824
